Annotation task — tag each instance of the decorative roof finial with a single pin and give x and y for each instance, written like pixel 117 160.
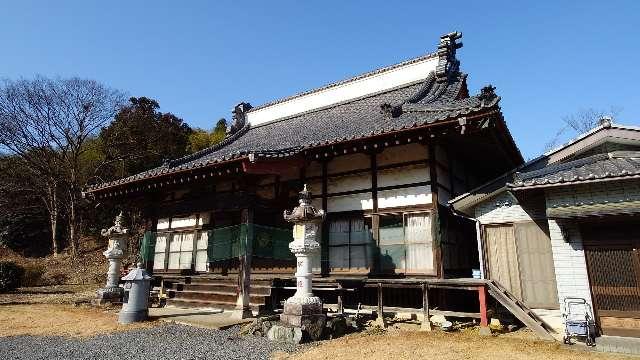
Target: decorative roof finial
pixel 605 121
pixel 239 117
pixel 488 92
pixel 447 62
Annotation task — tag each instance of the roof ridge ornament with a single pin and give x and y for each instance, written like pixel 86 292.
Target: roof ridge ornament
pixel 447 62
pixel 605 121
pixel 487 93
pixel 239 117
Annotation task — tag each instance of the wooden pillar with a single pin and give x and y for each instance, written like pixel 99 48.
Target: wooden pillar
pixel 324 246
pixel 380 319
pixel 340 303
pixel 484 318
pixel 433 180
pixel 375 234
pixel 426 322
pixel 375 218
pixel 243 308
pixel 151 226
pixel 374 181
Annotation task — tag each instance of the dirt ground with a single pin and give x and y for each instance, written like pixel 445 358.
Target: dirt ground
pixel 57 310
pixel 57 294
pixel 60 320
pixel 436 345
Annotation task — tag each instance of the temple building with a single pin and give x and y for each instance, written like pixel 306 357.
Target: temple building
pixel 382 153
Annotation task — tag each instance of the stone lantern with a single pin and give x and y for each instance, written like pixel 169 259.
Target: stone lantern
pixel 303 309
pixel 115 252
pixel 136 308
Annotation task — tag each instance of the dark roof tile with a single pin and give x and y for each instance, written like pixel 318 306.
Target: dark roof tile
pixel 596 167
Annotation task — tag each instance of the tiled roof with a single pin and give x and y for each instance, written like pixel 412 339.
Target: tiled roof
pixel 466 201
pixel 597 167
pixel 441 96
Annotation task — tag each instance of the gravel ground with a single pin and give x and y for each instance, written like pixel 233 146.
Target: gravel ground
pixel 163 342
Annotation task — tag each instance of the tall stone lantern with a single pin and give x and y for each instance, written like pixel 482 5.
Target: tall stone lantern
pixel 303 309
pixel 115 252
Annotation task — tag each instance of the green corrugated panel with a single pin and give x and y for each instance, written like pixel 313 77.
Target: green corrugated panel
pixel 210 245
pixel 267 242
pixel 273 243
pixel 225 240
pixel 147 246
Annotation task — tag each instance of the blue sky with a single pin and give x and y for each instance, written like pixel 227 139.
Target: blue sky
pixel 548 59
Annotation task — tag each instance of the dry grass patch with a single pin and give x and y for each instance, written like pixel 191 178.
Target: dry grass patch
pixel 56 294
pixel 438 345
pixel 60 320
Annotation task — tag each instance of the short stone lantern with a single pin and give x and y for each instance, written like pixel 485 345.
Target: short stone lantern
pixel 303 309
pixel 115 252
pixel 136 306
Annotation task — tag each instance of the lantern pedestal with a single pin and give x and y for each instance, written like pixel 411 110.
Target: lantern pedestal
pixel 303 309
pixel 115 252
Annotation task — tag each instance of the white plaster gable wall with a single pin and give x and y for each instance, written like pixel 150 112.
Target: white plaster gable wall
pixel 377 82
pixel 569 262
pixel 504 208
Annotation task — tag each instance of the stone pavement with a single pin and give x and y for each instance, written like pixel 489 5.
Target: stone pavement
pixel 617 344
pixel 203 318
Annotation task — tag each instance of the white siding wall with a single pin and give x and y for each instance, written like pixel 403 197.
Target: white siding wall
pixel 348 162
pixel 404 153
pixel 569 261
pixel 349 183
pixel 163 224
pixel 178 222
pixel 403 175
pixel 404 197
pixel 350 202
pixel 416 195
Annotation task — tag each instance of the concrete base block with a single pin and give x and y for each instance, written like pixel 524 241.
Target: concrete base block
pixel 288 334
pixel 485 331
pixel 128 317
pixel 109 295
pixel 307 316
